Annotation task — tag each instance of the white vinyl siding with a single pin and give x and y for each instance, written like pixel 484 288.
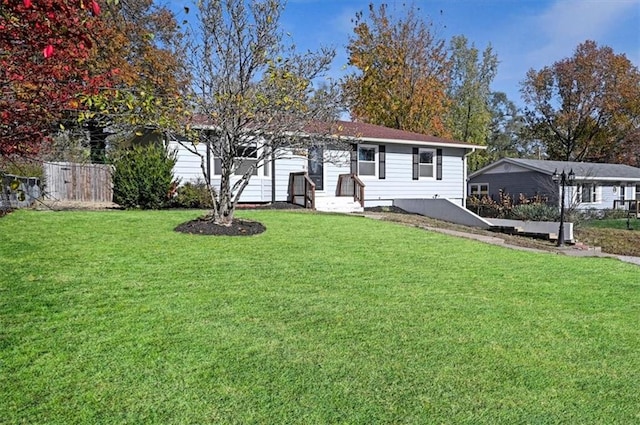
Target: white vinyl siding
pixel 398 182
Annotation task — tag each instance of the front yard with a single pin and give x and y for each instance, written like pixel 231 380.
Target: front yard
pixel 612 235
pixel 112 317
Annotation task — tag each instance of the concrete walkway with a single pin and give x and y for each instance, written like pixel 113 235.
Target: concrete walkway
pixel 568 250
pixel 572 251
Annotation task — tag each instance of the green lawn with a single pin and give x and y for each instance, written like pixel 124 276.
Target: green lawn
pixel 611 235
pixel 111 317
pixel 613 223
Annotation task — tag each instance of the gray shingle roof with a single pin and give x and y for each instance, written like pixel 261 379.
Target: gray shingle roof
pixel 586 170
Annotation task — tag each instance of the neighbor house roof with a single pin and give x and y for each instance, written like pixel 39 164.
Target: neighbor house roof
pixel 582 170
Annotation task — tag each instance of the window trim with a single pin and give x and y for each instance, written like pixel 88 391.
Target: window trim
pixel 596 193
pixel 261 170
pixel 434 160
pixel 479 193
pixel 375 161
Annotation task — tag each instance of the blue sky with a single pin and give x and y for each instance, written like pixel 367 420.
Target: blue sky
pixel 524 33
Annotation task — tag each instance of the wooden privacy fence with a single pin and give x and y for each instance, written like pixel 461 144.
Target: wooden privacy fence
pixel 68 181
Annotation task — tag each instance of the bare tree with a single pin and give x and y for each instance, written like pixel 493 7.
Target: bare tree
pixel 252 93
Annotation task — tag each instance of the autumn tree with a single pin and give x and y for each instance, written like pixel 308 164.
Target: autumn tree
pixel 586 107
pixel 253 94
pixel 469 116
pixel 507 139
pixel 45 49
pixel 143 41
pixel 402 72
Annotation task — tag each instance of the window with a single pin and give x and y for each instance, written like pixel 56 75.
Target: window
pixel 587 193
pixel 246 157
pixel 425 161
pixel 367 160
pixel 479 190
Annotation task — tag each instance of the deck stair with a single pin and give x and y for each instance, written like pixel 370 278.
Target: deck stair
pixel 340 204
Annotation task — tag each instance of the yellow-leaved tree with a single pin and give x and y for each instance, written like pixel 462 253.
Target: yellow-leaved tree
pixel 402 72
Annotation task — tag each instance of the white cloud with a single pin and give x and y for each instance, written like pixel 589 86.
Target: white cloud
pixel 537 34
pixel 568 23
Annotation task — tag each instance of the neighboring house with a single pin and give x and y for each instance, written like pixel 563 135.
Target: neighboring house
pixel 596 186
pixel 392 164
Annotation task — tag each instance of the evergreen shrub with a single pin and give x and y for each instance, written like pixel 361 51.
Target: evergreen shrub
pixel 193 195
pixel 143 177
pixel 534 212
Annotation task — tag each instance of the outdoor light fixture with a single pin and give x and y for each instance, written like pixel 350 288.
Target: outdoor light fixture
pixel 564 179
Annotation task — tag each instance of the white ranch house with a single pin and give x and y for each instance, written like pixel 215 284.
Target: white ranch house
pixel 382 165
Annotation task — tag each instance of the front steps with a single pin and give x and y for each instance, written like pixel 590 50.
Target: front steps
pixel 339 204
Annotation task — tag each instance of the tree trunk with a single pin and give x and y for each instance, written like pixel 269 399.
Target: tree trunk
pixel 224 214
pixel 223 207
pixel 97 142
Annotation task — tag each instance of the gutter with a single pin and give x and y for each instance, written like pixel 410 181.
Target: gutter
pixel 465 182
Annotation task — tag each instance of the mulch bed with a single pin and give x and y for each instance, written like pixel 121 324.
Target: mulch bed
pixel 204 226
pixel 239 227
pixel 387 209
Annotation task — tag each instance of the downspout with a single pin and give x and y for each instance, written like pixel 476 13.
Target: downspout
pixel 465 183
pixel 273 178
pixel 208 156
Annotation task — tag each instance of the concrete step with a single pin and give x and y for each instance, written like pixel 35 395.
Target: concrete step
pixel 341 204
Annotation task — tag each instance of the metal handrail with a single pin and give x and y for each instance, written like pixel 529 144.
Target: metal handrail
pixel 631 205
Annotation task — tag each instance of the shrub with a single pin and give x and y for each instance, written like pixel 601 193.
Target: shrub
pixel 22 167
pixel 192 195
pixel 535 212
pixel 615 214
pixel 534 208
pixel 143 177
pixel 487 207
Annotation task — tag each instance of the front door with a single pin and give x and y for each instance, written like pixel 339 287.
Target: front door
pixel 316 166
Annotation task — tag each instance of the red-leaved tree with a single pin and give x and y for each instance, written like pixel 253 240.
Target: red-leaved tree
pixel 45 47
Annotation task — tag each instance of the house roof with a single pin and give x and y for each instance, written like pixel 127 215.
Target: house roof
pixel 363 132
pixel 582 170
pixel 379 134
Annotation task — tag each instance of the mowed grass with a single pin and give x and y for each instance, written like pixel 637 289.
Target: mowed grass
pixel 613 223
pixel 112 317
pixel 612 235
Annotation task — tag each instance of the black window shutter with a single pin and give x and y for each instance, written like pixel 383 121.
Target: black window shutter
pixel 438 164
pixel 416 168
pixel 382 162
pixel 354 158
